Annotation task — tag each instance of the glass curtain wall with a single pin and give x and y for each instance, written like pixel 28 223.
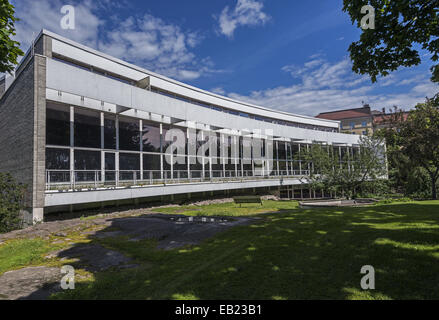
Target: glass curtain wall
pixel 96 146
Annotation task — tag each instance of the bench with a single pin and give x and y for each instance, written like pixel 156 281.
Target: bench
pixel 247 199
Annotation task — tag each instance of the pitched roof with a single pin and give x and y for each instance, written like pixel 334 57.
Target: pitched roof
pixel 346 114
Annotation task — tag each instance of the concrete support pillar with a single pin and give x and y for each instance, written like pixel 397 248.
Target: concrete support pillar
pixel 37 215
pixel 39 139
pixel 161 151
pixel 116 160
pixel 102 147
pixel 102 166
pixel 141 148
pixel 189 151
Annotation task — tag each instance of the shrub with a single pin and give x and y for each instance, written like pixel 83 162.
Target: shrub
pixel 11 202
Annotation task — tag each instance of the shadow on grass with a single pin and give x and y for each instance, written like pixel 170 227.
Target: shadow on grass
pixel 300 254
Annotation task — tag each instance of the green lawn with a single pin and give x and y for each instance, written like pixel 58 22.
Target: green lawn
pixel 21 253
pixel 291 253
pixel 231 209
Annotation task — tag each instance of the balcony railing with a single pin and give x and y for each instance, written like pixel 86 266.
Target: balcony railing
pixel 93 179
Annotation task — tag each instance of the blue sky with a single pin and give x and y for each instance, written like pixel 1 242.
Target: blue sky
pixel 286 55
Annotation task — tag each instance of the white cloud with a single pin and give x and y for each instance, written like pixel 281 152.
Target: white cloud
pixel 218 90
pixel 157 45
pixel 246 13
pixel 36 15
pixel 325 86
pixel 144 40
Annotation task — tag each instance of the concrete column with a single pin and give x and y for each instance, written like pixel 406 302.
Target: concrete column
pixel 116 166
pixel 161 151
pixel 222 156
pixel 72 144
pixel 116 155
pixel 210 154
pixel 102 130
pixel 188 133
pixel 102 147
pixel 236 155
pixel 141 166
pixel 277 157
pixel 202 158
pixel 39 139
pixel 141 148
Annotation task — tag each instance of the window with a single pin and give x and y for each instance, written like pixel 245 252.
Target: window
pixel 129 166
pixel 57 124
pixel 282 153
pixel 110 161
pixel 151 136
pixel 364 124
pixel 129 134
pixel 57 159
pixel 87 160
pixel 129 161
pixel 109 132
pixel 87 128
pixel 151 162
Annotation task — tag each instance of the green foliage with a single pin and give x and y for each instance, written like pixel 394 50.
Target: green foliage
pixel 365 167
pixel 420 140
pixel 9 49
pixel 413 150
pixel 400 27
pixel 389 200
pixel 11 201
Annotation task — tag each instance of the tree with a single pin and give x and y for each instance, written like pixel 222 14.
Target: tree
pixel 366 164
pixel 9 49
pixel 420 139
pixel 11 200
pixel 399 164
pixel 400 25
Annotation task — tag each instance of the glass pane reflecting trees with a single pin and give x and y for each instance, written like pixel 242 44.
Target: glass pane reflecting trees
pixel 57 124
pixel 87 128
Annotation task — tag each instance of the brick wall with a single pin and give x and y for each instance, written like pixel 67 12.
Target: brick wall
pixel 16 129
pixel 22 142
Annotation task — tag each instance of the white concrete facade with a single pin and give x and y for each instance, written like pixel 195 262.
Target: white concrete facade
pixel 80 78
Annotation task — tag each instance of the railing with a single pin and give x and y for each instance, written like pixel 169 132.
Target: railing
pixel 93 179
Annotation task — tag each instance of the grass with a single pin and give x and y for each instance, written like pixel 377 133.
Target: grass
pixel 290 253
pixel 230 209
pixel 24 252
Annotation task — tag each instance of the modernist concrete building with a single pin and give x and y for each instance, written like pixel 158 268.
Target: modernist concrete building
pixel 81 128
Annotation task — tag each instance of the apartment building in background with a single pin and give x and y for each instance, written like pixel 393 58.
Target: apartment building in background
pixel 353 121
pixel 83 129
pixel 363 121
